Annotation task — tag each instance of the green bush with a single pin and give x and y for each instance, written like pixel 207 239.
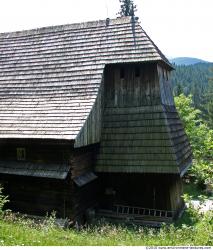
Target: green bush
pixel 3 201
pixel 201 140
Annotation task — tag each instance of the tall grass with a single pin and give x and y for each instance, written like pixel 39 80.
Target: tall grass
pixel 194 229
pixel 22 231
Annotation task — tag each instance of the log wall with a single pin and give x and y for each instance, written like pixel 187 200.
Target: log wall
pixel 35 151
pixel 165 86
pixel 153 191
pixel 141 129
pixel 90 132
pixel 131 85
pixel 37 195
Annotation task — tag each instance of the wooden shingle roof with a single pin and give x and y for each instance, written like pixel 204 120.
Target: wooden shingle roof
pixel 50 77
pixel 47 170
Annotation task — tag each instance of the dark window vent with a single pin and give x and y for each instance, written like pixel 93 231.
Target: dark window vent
pixel 122 73
pixel 137 72
pixel 167 75
pixel 21 154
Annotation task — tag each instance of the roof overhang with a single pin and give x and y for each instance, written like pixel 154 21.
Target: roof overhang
pixel 37 141
pixel 185 167
pixel 42 170
pixel 84 179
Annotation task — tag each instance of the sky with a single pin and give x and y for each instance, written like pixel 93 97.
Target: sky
pixel 178 27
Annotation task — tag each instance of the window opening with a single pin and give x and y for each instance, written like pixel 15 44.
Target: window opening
pixel 137 72
pixel 122 73
pixel 21 154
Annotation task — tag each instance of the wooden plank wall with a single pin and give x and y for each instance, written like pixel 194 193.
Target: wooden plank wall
pixel 128 91
pixel 87 195
pixel 165 86
pixel 83 198
pixel 142 190
pixel 141 130
pixel 135 136
pixel 35 152
pixel 38 196
pixel 90 133
pixel 176 192
pixel 83 160
pixel 179 139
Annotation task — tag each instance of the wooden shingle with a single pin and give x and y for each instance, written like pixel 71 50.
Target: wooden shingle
pixel 50 77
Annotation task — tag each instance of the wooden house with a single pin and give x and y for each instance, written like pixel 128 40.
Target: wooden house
pixel 87 119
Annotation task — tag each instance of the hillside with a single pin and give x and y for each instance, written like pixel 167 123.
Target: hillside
pixel 189 75
pixel 192 79
pixel 186 61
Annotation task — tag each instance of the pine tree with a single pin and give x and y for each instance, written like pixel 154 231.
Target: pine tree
pixel 209 97
pixel 128 8
pixel 178 89
pixel 210 113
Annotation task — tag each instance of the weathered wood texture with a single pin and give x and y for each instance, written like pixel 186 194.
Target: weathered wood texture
pixel 38 196
pixel 35 152
pixel 176 192
pixel 44 182
pixel 78 85
pixel 179 140
pixel 50 77
pixel 83 160
pixel 45 170
pixel 83 198
pixel 141 190
pixel 165 86
pixel 90 132
pixel 138 86
pixel 141 130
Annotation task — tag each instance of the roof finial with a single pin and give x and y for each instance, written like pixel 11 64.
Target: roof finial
pixel 107 21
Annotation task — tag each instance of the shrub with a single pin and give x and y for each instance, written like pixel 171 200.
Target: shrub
pixel 3 201
pixel 201 140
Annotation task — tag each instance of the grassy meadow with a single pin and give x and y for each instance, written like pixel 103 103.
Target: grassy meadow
pixel 192 229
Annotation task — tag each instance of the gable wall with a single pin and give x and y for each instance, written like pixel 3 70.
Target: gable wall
pixel 35 152
pixel 135 136
pixel 117 92
pixel 38 194
pixel 179 139
pixel 165 86
pixel 131 85
pixel 90 132
pixel 41 153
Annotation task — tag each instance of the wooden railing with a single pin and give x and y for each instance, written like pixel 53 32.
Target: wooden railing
pixel 129 210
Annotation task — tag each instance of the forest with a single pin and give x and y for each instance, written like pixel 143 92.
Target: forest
pixel 196 80
pixel 193 94
pixel 193 91
pixel 194 228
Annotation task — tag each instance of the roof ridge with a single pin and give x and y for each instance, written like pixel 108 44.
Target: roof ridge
pixel 44 106
pixel 164 58
pixel 64 27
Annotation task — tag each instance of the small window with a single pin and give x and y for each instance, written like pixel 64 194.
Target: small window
pixel 66 156
pixel 21 154
pixel 137 72
pixel 167 75
pixel 122 73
